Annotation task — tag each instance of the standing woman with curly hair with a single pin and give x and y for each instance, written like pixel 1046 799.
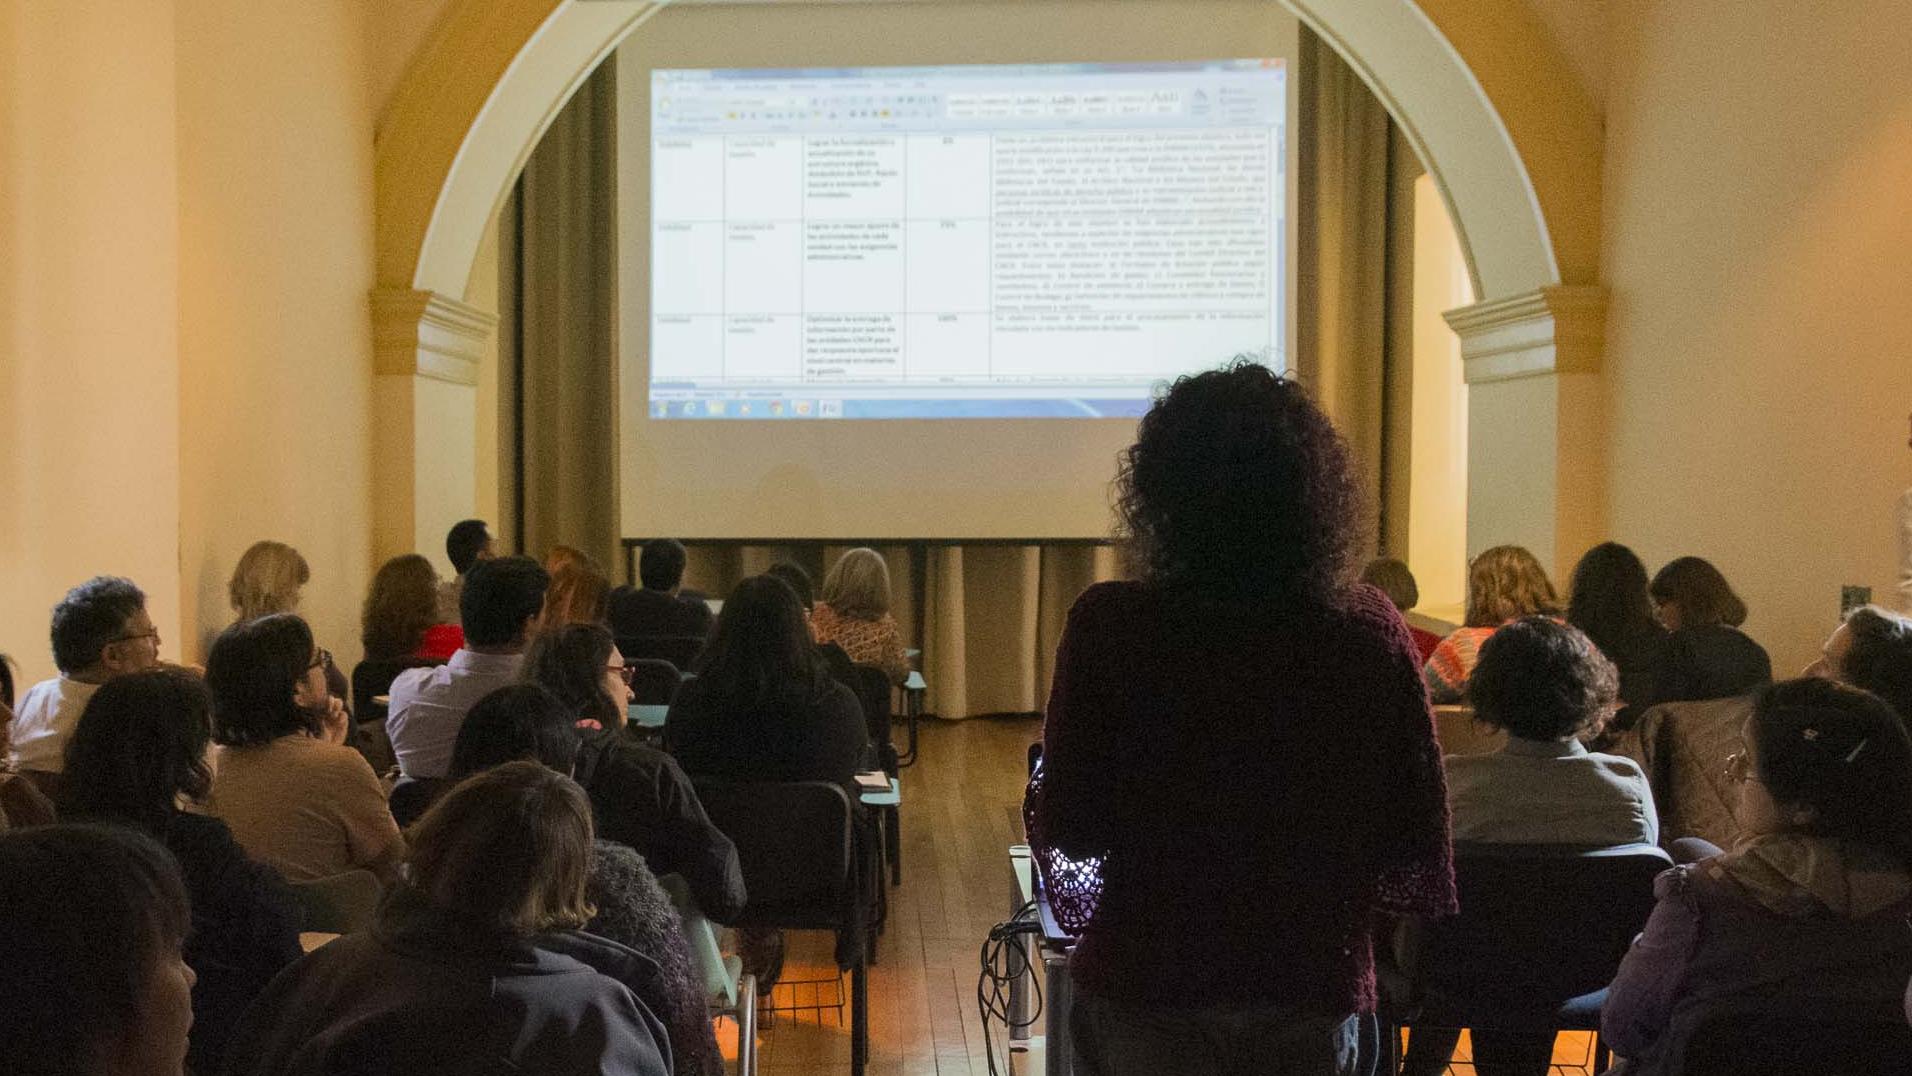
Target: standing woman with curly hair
pixel 1238 757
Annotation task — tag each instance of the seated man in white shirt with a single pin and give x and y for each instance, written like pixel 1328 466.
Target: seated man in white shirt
pixel 100 630
pixel 1546 685
pixel 500 600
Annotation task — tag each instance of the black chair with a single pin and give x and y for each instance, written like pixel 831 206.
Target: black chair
pixel 1540 933
pixel 805 868
pixel 411 797
pixel 679 650
pixel 1776 1044
pixel 371 678
pixel 872 688
pixel 653 681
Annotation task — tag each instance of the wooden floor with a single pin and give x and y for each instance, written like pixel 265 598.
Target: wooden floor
pixel 961 812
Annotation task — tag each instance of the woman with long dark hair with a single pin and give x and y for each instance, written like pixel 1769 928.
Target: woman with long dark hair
pixel 1238 757
pixel 1610 603
pixel 137 753
pixel 763 706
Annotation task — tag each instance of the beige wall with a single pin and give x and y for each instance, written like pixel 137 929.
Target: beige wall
pixel 1437 489
pixel 89 287
pixel 483 294
pixel 275 225
pixel 1759 248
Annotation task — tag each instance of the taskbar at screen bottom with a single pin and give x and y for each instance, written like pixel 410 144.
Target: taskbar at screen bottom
pixel 833 409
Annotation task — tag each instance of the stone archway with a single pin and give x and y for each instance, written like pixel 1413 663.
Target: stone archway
pixel 1483 95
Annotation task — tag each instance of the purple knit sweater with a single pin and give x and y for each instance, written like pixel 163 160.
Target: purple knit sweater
pixel 1253 792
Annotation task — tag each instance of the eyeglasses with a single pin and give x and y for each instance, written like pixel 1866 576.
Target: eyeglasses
pixel 624 672
pixel 321 660
pixel 153 635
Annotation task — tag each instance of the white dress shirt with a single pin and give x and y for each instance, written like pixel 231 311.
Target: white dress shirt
pixel 1550 792
pixel 45 721
pixel 429 705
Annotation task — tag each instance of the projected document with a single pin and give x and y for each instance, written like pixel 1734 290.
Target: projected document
pixel 1029 241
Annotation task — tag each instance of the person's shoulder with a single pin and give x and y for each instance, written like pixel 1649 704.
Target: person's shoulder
pixel 410 681
pixel 1617 765
pixel 1371 626
pixel 1114 597
pixel 44 693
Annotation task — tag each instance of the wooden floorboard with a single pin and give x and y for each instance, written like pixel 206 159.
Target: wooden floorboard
pixel 962 809
pixel 961 812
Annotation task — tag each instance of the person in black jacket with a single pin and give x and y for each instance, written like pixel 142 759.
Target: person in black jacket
pixel 639 794
pixel 141 745
pixel 477 964
pixel 763 706
pixel 657 607
pixel 1709 657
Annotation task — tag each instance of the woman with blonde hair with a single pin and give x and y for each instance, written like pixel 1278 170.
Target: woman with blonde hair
pixel 854 613
pixel 478 963
pixel 267 580
pixel 401 614
pixel 1503 583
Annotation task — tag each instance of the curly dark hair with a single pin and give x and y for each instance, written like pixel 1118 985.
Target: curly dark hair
pixel 1540 679
pixel 1239 487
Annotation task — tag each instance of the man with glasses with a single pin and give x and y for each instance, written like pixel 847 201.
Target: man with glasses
pixel 100 631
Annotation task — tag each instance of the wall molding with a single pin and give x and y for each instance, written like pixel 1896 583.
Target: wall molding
pixel 425 334
pixel 1557 329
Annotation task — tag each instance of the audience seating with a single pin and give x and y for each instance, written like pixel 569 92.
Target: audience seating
pixel 805 867
pixel 339 904
pixel 679 650
pixel 1683 747
pixel 1459 734
pixel 1779 1044
pixel 371 680
pixel 873 692
pixel 654 681
pixel 731 992
pixel 1540 933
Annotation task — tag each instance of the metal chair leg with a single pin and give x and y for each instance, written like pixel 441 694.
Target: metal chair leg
pixel 859 1018
pixel 747 1026
pixel 893 842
